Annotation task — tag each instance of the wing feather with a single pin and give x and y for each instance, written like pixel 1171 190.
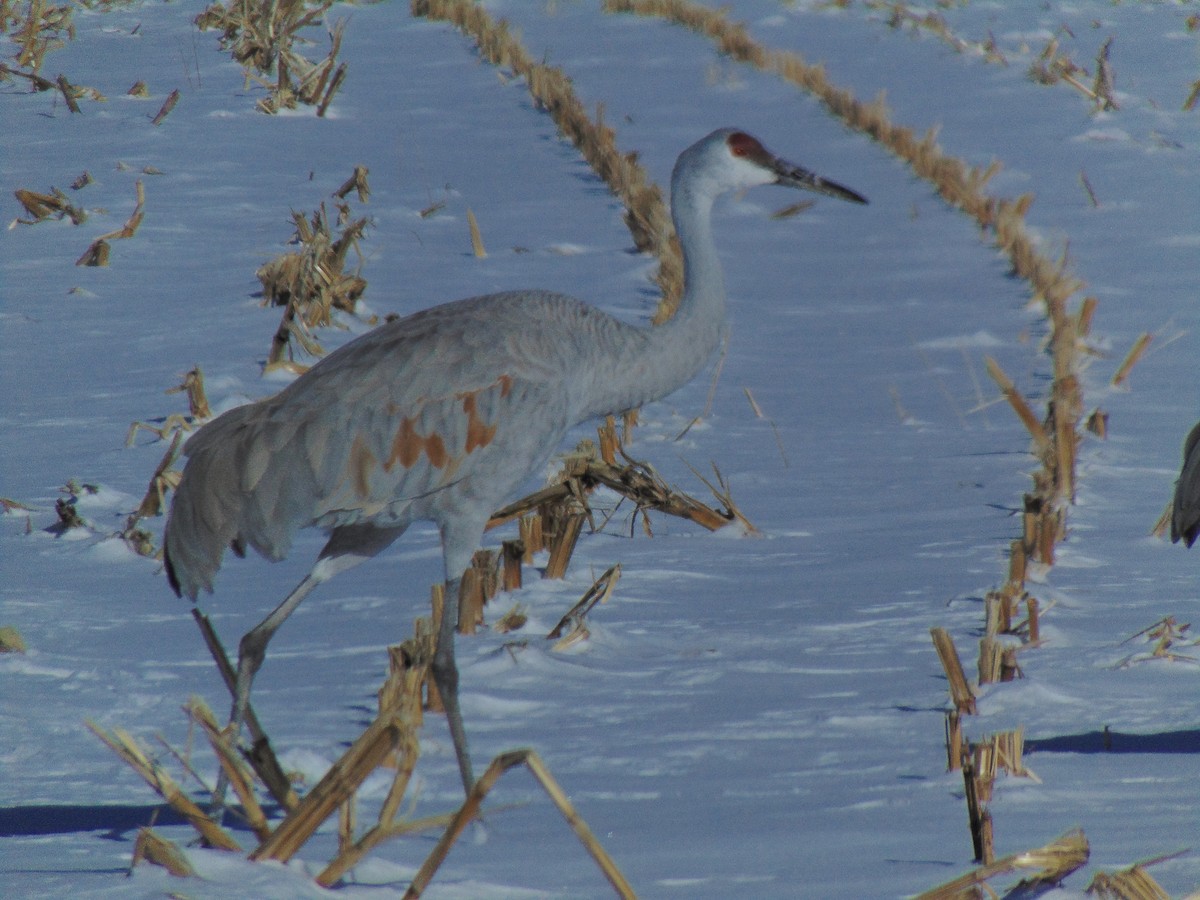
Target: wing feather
pixel 447 408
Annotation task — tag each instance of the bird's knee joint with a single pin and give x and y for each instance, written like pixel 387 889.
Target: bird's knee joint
pixel 251 652
pixel 445 672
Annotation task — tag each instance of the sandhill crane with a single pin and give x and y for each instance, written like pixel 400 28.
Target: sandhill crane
pixel 1185 510
pixel 442 415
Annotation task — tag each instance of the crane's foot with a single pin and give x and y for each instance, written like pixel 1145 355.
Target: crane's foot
pixel 251 653
pixel 216 804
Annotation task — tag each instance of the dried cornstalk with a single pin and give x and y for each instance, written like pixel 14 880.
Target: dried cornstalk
pixel 193 385
pixel 175 423
pixel 1083 319
pixel 312 282
pixel 1033 626
pixel 1104 86
pixel 512 553
pixel 1131 358
pixel 1133 883
pixel 11 640
pixel 399 697
pixel 437 602
pixel 1193 95
pixel 158 850
pixel 97 252
pixel 637 481
pixel 165 109
pixel 335 83
pixel 960 691
pixel 357 183
pixel 260 756
pixel 375 744
pixel 991 653
pixel 1050 864
pixel 1024 413
pixel 1010 748
pixel 599 592
pixel 45 28
pixel 476 237
pixel 954 740
pixel 532 535
pixel 470 809
pixel 44 206
pixel 1018 563
pixel 998 611
pixel 977 789
pixel 236 771
pixel 126 746
pixel 724 494
pixel 608 441
pixel 563 545
pixel 470 602
pixel 161 481
pixel 513 620
pixel 96 255
pixel 261 34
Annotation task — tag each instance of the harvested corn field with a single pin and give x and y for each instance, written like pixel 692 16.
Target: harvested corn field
pixel 697 653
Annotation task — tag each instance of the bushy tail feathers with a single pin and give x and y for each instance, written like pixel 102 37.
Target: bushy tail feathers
pixel 247 483
pixel 206 511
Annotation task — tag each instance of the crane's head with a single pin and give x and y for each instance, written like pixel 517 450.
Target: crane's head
pixel 733 159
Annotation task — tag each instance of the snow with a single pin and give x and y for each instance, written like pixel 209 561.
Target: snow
pixel 752 716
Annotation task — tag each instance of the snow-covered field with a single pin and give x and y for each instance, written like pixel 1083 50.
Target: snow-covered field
pixel 752 716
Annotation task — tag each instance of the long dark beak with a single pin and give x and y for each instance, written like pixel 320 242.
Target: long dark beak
pixel 795 176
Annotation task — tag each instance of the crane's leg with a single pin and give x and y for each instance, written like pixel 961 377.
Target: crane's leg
pixel 348 546
pixel 445 676
pixel 252 649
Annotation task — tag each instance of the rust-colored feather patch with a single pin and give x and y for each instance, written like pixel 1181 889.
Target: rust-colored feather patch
pixel 362 461
pixel 478 434
pixel 409 444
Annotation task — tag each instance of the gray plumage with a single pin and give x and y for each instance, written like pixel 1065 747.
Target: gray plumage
pixel 442 415
pixel 1185 510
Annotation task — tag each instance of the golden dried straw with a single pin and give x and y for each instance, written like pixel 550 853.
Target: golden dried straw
pixel 1050 864
pixel 239 775
pixel 399 698
pixel 470 809
pixel 476 237
pixel 261 757
pixel 960 691
pixel 365 755
pixel 126 746
pixel 1020 407
pixel 11 640
pixel 1131 358
pixel 158 850
pixel 1133 883
pixel 168 105
pixel 599 592
pixel 97 252
pixel 261 34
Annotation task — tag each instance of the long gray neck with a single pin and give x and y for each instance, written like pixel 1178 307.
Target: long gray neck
pixel 647 364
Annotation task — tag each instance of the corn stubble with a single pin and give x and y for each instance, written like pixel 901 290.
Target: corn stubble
pixel 262 35
pixel 389 742
pixel 1057 435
